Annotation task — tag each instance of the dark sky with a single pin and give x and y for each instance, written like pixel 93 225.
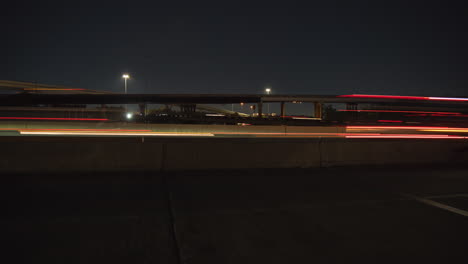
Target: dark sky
pixel 327 47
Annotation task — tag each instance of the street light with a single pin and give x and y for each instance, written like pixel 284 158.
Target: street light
pixel 126 76
pixel 268 91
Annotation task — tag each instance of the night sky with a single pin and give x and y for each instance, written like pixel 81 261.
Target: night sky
pixel 327 47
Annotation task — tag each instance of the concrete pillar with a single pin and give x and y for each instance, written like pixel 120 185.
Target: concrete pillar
pixel 260 109
pixel 282 109
pixel 318 110
pixel 351 115
pixel 142 109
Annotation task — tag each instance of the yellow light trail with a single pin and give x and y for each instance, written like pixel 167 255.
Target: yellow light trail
pixel 117 134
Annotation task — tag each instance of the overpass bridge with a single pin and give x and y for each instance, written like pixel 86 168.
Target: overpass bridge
pixel 49 97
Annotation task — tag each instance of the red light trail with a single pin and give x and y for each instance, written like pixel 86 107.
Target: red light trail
pixel 390 121
pixel 52 118
pixel 403 97
pixel 401 111
pixel 371 96
pixel 401 127
pixel 408 136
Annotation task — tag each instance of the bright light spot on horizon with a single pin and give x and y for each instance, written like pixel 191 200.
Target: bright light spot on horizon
pixel 126 76
pixel 129 115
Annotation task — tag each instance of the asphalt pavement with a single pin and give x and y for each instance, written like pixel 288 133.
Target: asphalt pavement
pixel 323 215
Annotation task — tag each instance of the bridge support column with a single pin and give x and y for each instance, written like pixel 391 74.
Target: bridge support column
pixel 142 109
pixel 351 115
pixel 260 110
pixel 351 106
pixel 282 109
pixel 318 110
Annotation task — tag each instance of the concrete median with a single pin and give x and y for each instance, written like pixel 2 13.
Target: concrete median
pixel 344 152
pixel 88 154
pixel 241 154
pixel 48 154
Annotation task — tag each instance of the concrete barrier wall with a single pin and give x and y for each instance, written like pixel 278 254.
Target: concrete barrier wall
pixel 55 154
pixel 343 152
pixel 34 154
pixel 241 153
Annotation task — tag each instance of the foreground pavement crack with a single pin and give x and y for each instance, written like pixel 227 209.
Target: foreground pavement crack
pixel 171 211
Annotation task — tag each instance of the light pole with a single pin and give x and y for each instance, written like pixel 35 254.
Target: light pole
pixel 268 91
pixel 126 76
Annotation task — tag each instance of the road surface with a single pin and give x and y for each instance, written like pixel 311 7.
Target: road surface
pixel 325 215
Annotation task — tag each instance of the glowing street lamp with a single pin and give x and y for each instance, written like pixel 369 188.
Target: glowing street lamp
pixel 126 76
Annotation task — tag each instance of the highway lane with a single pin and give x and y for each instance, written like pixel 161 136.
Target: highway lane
pixel 317 215
pixel 128 129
